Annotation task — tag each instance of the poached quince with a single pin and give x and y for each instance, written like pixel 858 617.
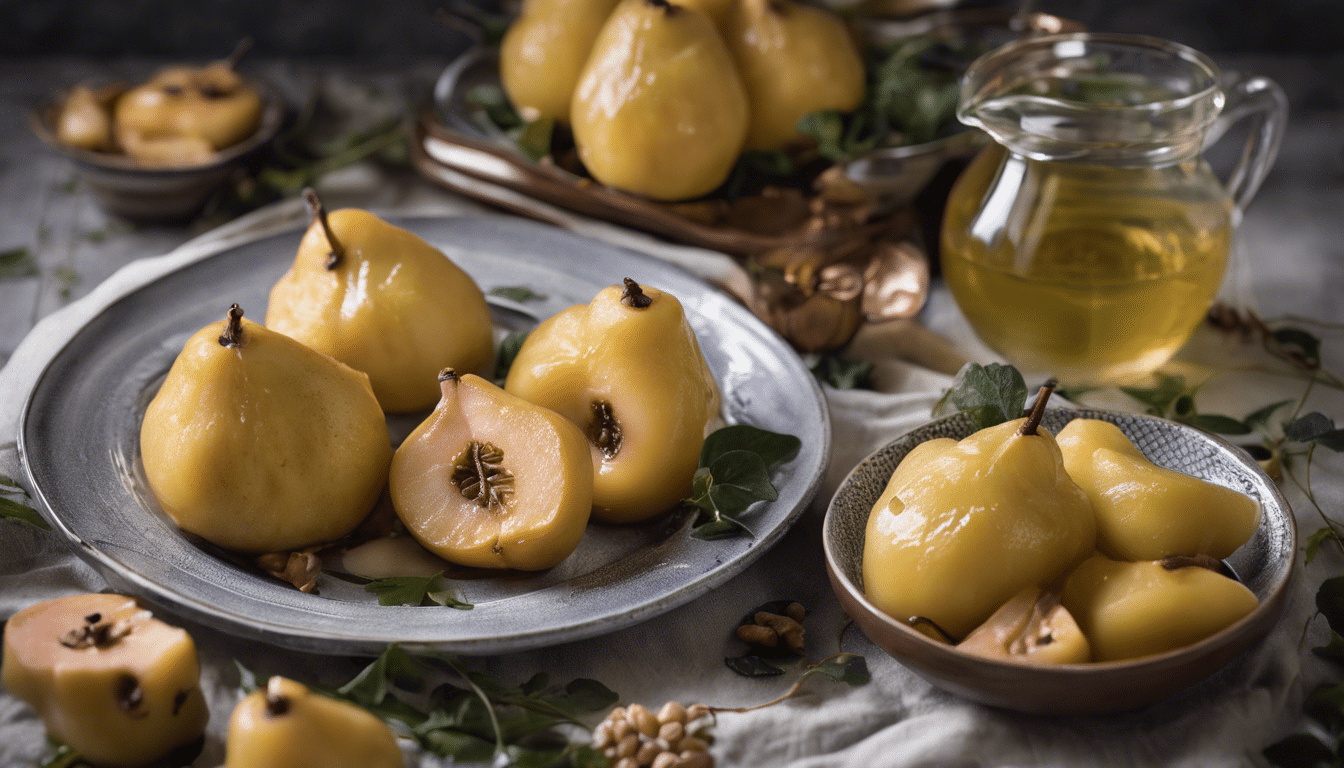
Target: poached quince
pixel 659 109
pixel 627 369
pixel 1032 628
pixel 288 726
pixel 106 678
pixel 492 481
pixel 544 51
pixel 383 301
pixel 1147 512
pixel 259 444
pixel 1129 610
pixel 964 526
pixel 184 115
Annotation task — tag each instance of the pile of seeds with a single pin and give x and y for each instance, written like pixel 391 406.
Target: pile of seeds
pixel 676 737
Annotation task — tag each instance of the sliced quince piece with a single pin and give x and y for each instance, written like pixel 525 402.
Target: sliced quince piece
pixel 1129 610
pixel 1147 512
pixel 493 481
pixel 381 300
pixel 260 444
pixel 628 370
pixel 288 726
pixel 1032 628
pixel 107 678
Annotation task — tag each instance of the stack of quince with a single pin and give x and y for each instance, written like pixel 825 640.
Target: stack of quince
pixel 663 95
pixel 272 438
pixel 181 117
pixel 1019 547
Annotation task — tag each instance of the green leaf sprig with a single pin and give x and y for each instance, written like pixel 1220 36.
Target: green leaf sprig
pixel 417 590
pixel 837 373
pixel 519 293
pixel 734 473
pixel 847 668
pixel 532 137
pixel 12 507
pixel 991 394
pixel 471 716
pixel 16 263
pixel 508 352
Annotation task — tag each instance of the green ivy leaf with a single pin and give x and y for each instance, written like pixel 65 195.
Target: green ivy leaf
pixel 773 448
pixel 496 105
pixel 461 747
pixel 508 352
pixel 371 686
pixel 583 696
pixel 1161 398
pixel 519 293
pixel 1259 420
pixel 416 590
pixel 740 479
pixel 1300 751
pixel 843 374
pixel 535 684
pixel 827 128
pixel 847 668
pixel 534 138
pixel 1315 427
pixel 1325 705
pixel 751 665
pixel 1330 602
pixel 993 393
pixel 1297 344
pixel 1332 651
pixel 16 263
pixel 1219 425
pixel 13 510
pixel 722 528
pixel 247 679
pixel 1314 542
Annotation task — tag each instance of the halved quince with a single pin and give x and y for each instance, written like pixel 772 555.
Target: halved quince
pixel 1032 628
pixel 492 481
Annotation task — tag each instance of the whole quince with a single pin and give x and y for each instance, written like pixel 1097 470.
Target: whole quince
pixel 383 301
pixel 288 726
pixel 1147 512
pixel 964 526
pixel 627 369
pixel 260 444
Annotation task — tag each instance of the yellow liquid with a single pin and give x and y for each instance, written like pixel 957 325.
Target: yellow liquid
pixel 1092 274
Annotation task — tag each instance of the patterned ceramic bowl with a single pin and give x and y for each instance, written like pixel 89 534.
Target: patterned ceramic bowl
pixel 1263 564
pixel 124 188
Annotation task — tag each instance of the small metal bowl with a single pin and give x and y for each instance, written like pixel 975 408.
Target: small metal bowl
pixel 1264 564
pixel 155 195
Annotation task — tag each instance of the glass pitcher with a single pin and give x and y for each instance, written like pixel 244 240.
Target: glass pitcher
pixel 1089 240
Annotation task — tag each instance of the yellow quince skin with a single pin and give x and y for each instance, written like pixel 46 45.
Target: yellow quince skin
pixel 385 302
pixel 964 526
pixel 627 369
pixel 544 51
pixel 1147 512
pixel 183 116
pixel 1031 628
pixel 106 678
pixel 262 444
pixel 492 481
pixel 1131 610
pixel 288 726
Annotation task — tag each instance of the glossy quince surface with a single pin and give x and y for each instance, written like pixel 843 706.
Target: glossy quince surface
pixel 1147 512
pixel 493 481
pixel 183 115
pixel 659 109
pixel 392 306
pixel 288 726
pixel 631 375
pixel 964 526
pixel 106 678
pixel 544 51
pixel 263 445
pixel 1131 610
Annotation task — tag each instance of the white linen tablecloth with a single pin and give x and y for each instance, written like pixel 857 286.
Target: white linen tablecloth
pixel 896 720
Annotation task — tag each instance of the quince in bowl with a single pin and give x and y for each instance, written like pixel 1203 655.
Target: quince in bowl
pixel 157 151
pixel 1036 664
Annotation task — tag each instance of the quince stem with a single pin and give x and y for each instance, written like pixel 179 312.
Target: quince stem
pixel 233 332
pixel 664 6
pixel 633 296
pixel 276 702
pixel 239 51
pixel 320 213
pixel 1038 410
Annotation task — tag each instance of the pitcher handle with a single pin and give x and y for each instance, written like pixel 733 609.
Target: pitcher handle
pixel 1264 101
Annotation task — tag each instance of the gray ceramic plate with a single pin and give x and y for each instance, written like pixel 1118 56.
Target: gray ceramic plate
pixel 1264 564
pixel 79 442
